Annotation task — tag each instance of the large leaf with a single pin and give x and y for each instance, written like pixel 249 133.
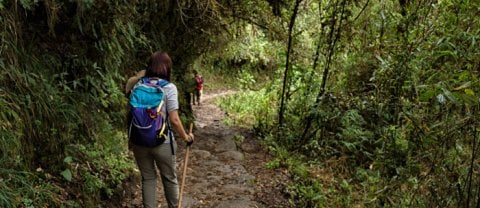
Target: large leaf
pixel 427 95
pixel 67 174
pixel 68 159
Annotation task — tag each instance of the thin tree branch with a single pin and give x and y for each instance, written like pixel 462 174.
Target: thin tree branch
pixel 317 54
pixel 337 32
pixel 252 22
pixel 472 166
pixel 289 48
pixel 361 11
pixel 331 52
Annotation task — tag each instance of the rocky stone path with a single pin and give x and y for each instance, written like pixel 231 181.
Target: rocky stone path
pixel 226 167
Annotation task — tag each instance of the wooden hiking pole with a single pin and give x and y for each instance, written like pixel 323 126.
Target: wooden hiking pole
pixel 184 171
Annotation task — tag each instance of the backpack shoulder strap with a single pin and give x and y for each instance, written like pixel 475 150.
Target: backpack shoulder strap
pixel 163 83
pixel 145 80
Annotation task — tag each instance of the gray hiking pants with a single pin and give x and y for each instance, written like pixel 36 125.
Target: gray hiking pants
pixel 161 155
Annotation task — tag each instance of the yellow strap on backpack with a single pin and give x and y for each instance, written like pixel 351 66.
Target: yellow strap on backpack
pixel 159 111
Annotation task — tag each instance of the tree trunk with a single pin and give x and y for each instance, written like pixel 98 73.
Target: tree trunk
pixel 333 40
pixel 287 65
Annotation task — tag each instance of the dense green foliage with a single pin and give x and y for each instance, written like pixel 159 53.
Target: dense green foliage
pixel 366 102
pixel 386 113
pixel 63 65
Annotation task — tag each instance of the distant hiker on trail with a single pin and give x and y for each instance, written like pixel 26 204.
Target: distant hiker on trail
pixel 190 91
pixel 153 101
pixel 198 87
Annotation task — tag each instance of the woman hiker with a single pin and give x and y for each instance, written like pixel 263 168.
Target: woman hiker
pixel 163 155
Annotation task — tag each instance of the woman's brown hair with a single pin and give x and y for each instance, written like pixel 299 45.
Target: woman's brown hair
pixel 159 65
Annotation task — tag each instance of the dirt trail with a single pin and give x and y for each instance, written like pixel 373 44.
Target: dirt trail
pixel 226 167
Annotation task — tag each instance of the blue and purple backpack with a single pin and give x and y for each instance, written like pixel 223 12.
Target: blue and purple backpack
pixel 148 120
